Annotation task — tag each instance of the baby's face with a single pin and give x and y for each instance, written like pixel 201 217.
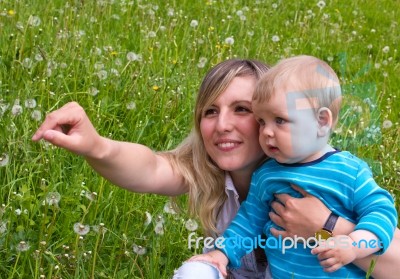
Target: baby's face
pixel 288 127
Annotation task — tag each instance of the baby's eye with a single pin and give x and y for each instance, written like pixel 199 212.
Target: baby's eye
pixel 280 121
pixel 261 122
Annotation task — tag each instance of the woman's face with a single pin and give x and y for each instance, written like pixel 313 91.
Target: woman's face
pixel 229 129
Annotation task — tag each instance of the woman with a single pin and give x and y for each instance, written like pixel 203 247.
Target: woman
pixel 213 165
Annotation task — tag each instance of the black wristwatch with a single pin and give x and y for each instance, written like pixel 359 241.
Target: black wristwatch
pixel 326 232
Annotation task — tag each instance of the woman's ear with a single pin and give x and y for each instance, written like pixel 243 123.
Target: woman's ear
pixel 324 117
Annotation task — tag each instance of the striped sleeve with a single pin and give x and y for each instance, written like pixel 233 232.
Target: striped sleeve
pixel 375 208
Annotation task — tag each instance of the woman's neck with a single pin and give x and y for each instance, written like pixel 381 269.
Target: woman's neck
pixel 241 181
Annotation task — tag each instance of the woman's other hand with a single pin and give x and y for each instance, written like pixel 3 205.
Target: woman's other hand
pixel 298 216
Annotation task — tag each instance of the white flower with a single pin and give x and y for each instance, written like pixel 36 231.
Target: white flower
pixel 38 57
pixel 22 246
pixel 81 229
pixel 53 198
pixel 275 38
pixel 191 225
pixel 321 4
pixel 387 124
pixel 229 41
pixel 194 23
pixel 139 250
pixel 16 110
pixel 148 219
pixel 34 21
pixel 3 160
pixel 159 229
pixel 27 63
pixel 131 56
pixel 168 208
pixel 3 227
pixel 36 115
pixel 98 66
pixel 30 103
pixel 202 62
pixel 385 49
pixel 18 211
pixel 91 196
pixel 151 34
pixel 93 91
pixel 102 75
pixel 131 105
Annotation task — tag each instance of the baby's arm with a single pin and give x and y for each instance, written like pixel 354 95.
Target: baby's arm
pixel 216 258
pixel 343 249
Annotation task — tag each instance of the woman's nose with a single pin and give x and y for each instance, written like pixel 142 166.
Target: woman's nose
pixel 225 122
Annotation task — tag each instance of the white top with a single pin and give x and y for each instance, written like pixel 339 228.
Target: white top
pixel 249 267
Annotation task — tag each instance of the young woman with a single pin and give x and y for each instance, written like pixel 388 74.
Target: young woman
pixel 213 164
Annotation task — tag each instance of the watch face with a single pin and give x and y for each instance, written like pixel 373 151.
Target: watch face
pixel 323 235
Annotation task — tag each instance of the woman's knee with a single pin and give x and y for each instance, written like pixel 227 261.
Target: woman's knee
pixel 197 270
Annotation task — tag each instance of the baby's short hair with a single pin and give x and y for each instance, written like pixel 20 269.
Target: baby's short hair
pixel 307 74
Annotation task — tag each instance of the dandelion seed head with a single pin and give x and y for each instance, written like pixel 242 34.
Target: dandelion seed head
pixel 81 229
pixel 91 196
pixel 229 41
pixel 321 4
pixel 275 38
pixel 4 159
pixel 159 229
pixel 27 63
pixel 3 227
pixel 151 34
pixel 131 105
pixel 191 225
pixel 168 208
pixel 22 246
pixel 194 23
pixel 36 115
pixel 148 219
pixel 131 56
pixel 38 57
pixel 34 21
pixel 93 91
pixel 53 198
pixel 139 250
pixel 385 49
pixel 387 124
pixel 102 74
pixel 30 103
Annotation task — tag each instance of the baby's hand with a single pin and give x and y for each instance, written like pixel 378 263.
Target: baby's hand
pixel 335 252
pixel 216 258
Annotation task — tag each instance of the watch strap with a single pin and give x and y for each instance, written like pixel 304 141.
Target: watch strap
pixel 331 222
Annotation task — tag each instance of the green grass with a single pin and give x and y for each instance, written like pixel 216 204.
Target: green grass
pixel 74 50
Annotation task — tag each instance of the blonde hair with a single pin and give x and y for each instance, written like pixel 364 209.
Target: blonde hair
pixel 205 179
pixel 308 74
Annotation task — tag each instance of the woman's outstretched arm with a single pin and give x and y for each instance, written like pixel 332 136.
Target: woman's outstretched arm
pixel 128 165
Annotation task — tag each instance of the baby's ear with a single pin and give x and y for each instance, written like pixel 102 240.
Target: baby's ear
pixel 324 117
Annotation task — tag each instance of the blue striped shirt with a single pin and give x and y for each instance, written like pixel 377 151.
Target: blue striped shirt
pixel 343 182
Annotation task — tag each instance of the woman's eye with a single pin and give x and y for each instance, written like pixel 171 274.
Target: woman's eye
pixel 243 109
pixel 210 112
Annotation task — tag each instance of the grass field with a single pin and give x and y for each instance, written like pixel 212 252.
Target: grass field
pixel 135 66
